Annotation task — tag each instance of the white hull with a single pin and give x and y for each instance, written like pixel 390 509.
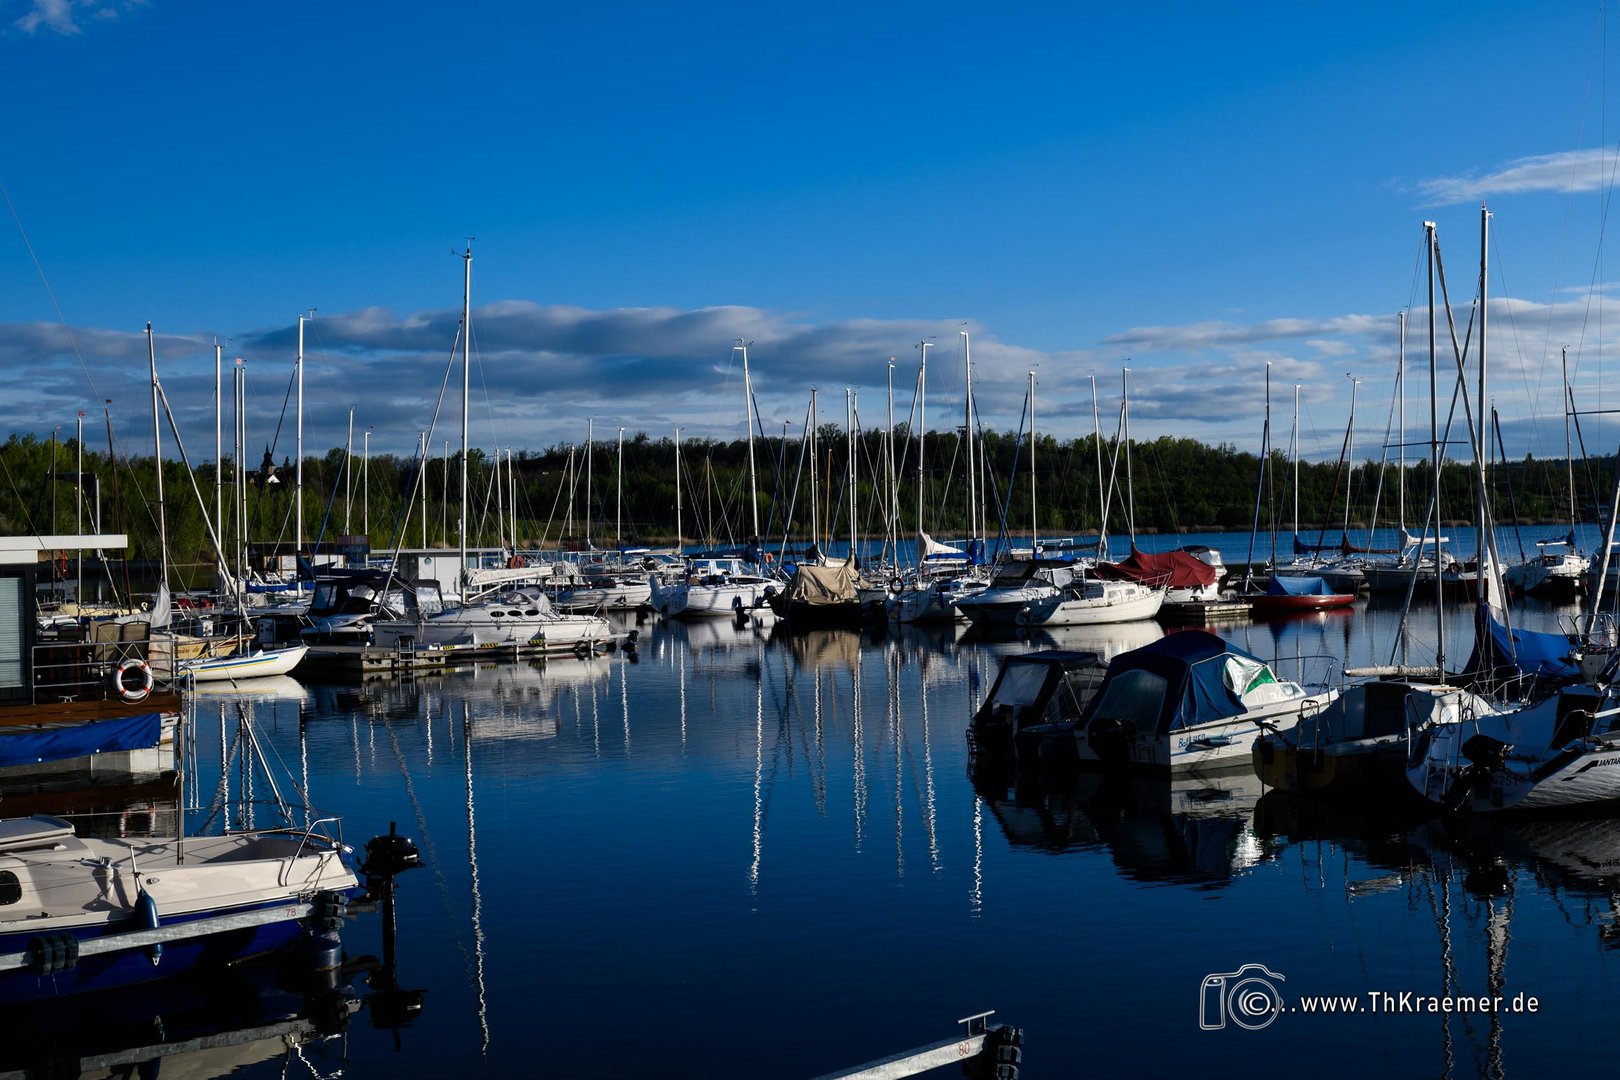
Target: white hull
pixel 625 596
pixel 1548 763
pixel 685 601
pixel 1115 602
pixel 1215 747
pixel 255 665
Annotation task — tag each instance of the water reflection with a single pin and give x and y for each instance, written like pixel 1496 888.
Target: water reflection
pixel 1195 831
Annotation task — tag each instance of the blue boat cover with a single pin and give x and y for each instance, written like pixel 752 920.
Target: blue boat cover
pixel 1200 670
pixel 1302 585
pixel 1531 652
pixel 92 737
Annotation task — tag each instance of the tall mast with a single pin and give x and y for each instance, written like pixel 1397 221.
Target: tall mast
pixel 748 418
pixel 298 451
pixel 1485 557
pixel 157 462
pixel 1569 451
pixel 1102 498
pixel 1434 465
pixel 815 489
pixel 421 476
pixel 679 546
pixel 618 498
pixel 1349 452
pixel 1400 471
pixel 967 434
pixel 849 422
pixel 348 473
pixel 1293 449
pixel 78 512
pixel 1034 522
pixel 511 502
pixel 1130 489
pixel 466 387
pixel 590 441
pixel 219 452
pixel 922 429
pixel 893 499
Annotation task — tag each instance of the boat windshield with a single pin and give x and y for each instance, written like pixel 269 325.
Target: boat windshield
pixel 1019 685
pixel 1136 696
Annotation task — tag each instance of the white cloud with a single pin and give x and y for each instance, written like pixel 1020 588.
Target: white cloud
pixel 1569 171
pixel 66 17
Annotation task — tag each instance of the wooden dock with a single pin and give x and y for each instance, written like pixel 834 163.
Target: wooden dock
pixel 375 661
pixel 1204 612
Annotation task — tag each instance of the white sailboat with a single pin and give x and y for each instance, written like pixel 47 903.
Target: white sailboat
pixel 521 617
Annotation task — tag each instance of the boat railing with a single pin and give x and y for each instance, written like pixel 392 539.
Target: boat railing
pixel 1312 671
pixel 124 662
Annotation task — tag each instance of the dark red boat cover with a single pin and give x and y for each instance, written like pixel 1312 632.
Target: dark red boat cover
pixel 1177 569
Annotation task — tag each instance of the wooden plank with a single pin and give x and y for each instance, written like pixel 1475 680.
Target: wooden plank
pixel 59 712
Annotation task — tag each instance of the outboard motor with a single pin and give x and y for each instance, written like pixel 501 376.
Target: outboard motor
pixel 1485 755
pixel 1111 741
pixel 386 858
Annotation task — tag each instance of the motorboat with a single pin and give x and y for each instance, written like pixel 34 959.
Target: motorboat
pixel 1558 569
pixel 1089 601
pixel 713 586
pixel 1036 696
pixel 1193 701
pixel 522 618
pixel 1014 587
pixel 93 913
pixel 820 597
pixel 1357 745
pixel 1284 595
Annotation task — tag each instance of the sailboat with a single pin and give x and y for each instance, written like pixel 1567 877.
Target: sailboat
pixel 517 617
pixel 719 585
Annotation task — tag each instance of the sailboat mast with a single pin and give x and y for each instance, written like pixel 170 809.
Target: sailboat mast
pixel 1349 453
pixel 815 489
pixel 1034 525
pixel 922 432
pixel 466 394
pixel 157 463
pixel 590 441
pixel 219 453
pixel 1130 488
pixel 1434 465
pixel 679 547
pixel 1400 469
pixel 298 452
pixel 1569 451
pixel 1102 504
pixel 618 497
pixel 893 499
pixel 1485 557
pixel 849 411
pixel 1293 451
pixel 748 419
pixel 967 434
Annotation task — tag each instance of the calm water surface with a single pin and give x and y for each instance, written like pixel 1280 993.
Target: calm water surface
pixel 754 854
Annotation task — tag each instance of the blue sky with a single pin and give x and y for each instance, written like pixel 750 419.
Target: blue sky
pixel 1190 189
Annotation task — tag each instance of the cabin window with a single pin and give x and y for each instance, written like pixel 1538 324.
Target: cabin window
pixel 13 639
pixel 10 888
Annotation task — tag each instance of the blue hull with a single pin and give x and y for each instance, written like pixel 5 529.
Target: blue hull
pixel 130 967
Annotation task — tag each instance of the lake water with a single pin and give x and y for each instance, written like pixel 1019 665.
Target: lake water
pixel 755 854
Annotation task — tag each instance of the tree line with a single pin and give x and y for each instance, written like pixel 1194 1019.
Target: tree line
pixel 1168 485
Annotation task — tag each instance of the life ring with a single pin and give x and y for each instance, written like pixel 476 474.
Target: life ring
pixel 516 562
pixel 142 684
pixel 896 586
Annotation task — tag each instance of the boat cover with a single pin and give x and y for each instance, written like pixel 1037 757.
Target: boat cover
pixel 1177 569
pixel 1301 585
pixel 818 586
pixel 1203 676
pixel 80 740
pixel 1536 653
